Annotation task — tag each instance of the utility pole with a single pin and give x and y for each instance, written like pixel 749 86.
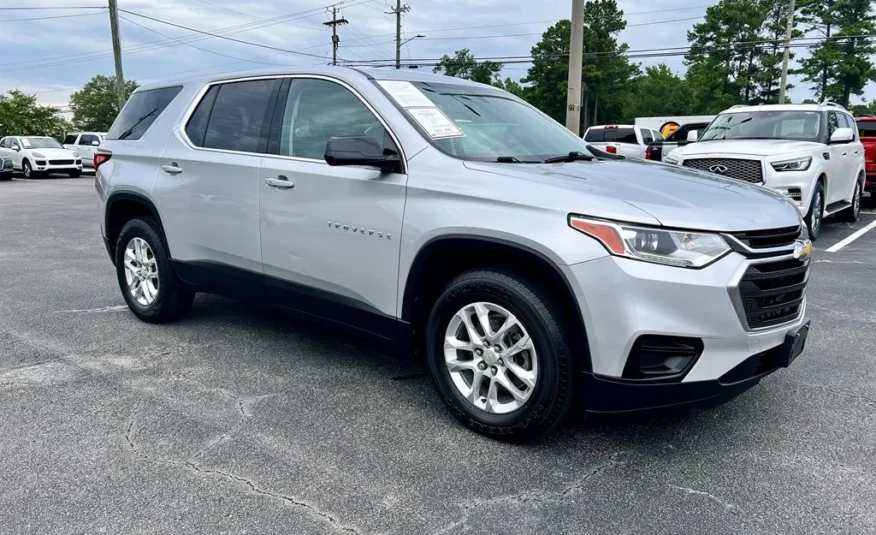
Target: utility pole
pixel 786 56
pixel 398 10
pixel 335 39
pixel 117 53
pixel 576 58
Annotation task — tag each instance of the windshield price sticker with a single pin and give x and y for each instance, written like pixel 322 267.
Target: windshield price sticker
pixel 406 94
pixel 25 142
pixel 435 123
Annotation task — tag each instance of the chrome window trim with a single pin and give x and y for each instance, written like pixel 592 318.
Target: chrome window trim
pixel 736 295
pixel 181 127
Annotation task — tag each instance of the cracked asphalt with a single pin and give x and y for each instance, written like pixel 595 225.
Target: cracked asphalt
pixel 242 420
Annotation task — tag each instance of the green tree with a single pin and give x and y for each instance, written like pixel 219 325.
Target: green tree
pixel 768 76
pixel 512 87
pixel 463 64
pixel 95 106
pixel 605 69
pixel 658 92
pixel 21 115
pixel 840 66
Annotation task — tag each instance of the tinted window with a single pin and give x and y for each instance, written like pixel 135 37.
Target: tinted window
pixel 141 111
pixel 867 128
pixel 646 136
pixel 70 139
pixel 240 117
pixel 595 135
pixel 317 110
pixel 88 139
pixel 621 135
pixel 196 129
pixel 657 135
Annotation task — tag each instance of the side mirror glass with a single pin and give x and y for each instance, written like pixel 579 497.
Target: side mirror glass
pixel 360 150
pixel 842 135
pixel 692 136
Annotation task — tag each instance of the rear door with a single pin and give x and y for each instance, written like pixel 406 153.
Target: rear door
pixel 208 186
pixel 330 235
pixel 86 146
pixel 70 141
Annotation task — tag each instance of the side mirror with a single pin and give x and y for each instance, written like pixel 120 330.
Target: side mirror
pixel 360 150
pixel 16 148
pixel 842 135
pixel 95 143
pixel 692 136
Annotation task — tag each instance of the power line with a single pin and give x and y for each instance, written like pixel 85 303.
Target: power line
pixel 7 21
pixel 312 28
pixel 50 8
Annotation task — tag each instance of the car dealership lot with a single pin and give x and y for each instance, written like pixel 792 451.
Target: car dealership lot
pixel 239 419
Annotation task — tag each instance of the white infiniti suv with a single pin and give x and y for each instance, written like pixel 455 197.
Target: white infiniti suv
pixel 808 152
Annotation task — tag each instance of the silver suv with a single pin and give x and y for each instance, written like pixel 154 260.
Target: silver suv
pixel 457 224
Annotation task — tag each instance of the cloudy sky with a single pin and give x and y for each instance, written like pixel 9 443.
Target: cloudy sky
pixel 54 56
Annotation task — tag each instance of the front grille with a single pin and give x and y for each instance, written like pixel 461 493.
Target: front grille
pixel 772 293
pixel 60 162
pixel 5 163
pixel 761 239
pixel 747 170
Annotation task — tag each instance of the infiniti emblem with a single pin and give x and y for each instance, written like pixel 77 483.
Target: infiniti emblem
pixel 720 169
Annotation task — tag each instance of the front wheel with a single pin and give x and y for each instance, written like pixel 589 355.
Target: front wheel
pixel 816 212
pixel 5 176
pixel 853 212
pixel 145 275
pixel 28 170
pixel 75 174
pixel 499 356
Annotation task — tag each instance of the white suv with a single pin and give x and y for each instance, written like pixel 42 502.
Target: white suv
pixel 86 144
pixel 809 152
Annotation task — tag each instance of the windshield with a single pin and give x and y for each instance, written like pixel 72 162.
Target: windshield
pixel 40 143
pixel 486 125
pixel 799 125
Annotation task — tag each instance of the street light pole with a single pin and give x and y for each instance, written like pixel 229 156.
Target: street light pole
pixel 786 56
pixel 117 53
pixel 576 58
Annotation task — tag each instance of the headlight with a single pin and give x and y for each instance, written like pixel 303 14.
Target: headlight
pixel 673 161
pixel 670 247
pixel 37 155
pixel 798 164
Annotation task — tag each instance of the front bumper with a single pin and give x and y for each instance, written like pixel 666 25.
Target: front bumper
pixel 44 166
pixel 622 300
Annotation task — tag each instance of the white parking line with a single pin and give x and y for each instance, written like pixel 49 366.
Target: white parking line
pixel 851 238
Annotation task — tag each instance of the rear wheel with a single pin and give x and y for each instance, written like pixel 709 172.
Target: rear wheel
pixel 145 275
pixel 499 356
pixel 853 212
pixel 816 212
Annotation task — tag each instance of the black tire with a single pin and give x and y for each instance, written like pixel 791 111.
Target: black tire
pixel 5 176
pixel 75 174
pixel 171 302
pixel 552 396
pixel 815 218
pixel 28 170
pixel 853 212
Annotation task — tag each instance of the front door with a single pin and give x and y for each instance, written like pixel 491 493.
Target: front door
pixel 207 187
pixel 837 167
pixel 330 235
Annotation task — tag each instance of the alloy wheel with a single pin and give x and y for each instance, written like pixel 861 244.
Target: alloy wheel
pixel 491 358
pixel 817 213
pixel 141 271
pixel 856 202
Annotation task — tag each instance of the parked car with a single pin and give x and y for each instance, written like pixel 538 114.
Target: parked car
pixel 35 155
pixel 5 167
pixel 867 133
pixel 85 143
pixel 668 124
pixel 810 153
pixel 624 139
pixel 684 134
pixel 455 223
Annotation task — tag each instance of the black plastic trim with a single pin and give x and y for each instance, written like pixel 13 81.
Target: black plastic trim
pixel 632 368
pixel 135 197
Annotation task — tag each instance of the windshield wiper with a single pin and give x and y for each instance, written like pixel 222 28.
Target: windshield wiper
pixel 571 157
pixel 514 159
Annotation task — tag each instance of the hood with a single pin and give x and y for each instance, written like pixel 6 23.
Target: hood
pixel 751 147
pixel 673 195
pixel 54 153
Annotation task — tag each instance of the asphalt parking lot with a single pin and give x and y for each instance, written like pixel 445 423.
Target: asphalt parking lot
pixel 242 420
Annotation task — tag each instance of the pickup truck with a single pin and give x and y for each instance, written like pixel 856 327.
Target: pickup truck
pixel 85 143
pixel 622 139
pixel 867 132
pixel 686 133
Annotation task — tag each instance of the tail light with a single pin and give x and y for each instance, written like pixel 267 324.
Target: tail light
pixel 611 149
pixel 648 152
pixel 101 158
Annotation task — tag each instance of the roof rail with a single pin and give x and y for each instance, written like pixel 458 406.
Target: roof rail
pixel 733 107
pixel 830 103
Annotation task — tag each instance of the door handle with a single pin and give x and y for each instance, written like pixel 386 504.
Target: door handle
pixel 280 182
pixel 172 169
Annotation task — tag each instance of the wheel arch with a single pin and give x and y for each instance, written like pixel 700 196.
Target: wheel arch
pixel 123 206
pixel 444 257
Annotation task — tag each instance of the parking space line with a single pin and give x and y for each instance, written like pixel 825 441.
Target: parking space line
pixel 851 238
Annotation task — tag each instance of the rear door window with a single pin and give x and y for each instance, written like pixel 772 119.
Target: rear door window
pixel 70 139
pixel 595 135
pixel 241 116
pixel 621 135
pixel 88 139
pixel 141 111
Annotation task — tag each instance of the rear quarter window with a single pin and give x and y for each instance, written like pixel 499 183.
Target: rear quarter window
pixel 141 111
